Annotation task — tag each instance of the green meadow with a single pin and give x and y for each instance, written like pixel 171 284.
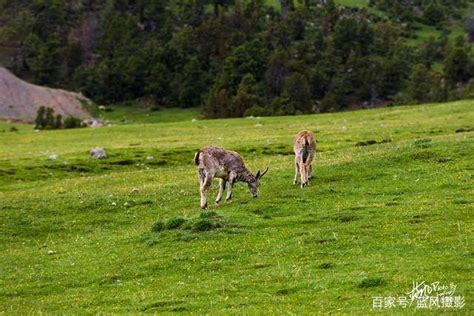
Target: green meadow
pixel 390 203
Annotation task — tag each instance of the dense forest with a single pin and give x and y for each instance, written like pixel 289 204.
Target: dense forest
pixel 239 58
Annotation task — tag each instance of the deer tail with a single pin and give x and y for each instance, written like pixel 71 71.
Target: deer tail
pixel 196 157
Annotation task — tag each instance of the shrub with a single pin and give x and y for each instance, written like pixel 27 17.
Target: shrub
pixel 423 143
pixel 217 104
pixel 282 105
pixel 372 282
pixel 58 122
pixel 45 119
pixel 40 121
pixel 207 221
pixel 468 91
pixel 297 88
pixel 204 225
pixel 333 101
pixel 433 14
pixel 209 214
pixel 175 222
pixel 49 119
pixel 425 85
pixel 73 122
pixel 457 66
pixel 256 110
pixel 158 226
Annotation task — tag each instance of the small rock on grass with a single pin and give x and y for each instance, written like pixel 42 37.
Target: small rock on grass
pixel 98 153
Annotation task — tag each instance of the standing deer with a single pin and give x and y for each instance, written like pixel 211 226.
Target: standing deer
pixel 215 162
pixel 305 148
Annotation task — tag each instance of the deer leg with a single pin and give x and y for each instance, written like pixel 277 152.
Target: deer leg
pixel 229 189
pixel 202 176
pixel 309 167
pixel 228 198
pixel 297 169
pixel 304 174
pixel 222 183
pixel 204 190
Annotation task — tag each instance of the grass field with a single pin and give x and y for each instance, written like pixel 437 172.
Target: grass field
pixel 391 203
pixel 130 115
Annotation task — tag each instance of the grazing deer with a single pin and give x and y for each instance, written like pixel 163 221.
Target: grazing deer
pixel 305 148
pixel 215 162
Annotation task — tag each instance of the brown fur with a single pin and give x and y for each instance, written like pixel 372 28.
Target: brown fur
pixel 304 146
pixel 216 162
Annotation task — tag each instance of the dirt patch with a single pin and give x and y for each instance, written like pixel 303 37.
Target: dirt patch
pixel 20 100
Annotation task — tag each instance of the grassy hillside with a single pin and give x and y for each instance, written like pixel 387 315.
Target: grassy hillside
pixel 391 203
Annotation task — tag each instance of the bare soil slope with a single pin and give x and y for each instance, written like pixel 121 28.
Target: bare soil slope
pixel 20 100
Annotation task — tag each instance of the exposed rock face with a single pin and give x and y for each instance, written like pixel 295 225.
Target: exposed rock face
pixel 20 100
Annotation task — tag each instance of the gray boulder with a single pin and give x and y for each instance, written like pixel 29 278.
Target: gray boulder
pixel 94 123
pixel 98 153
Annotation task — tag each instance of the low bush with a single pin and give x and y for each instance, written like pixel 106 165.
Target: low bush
pixel 175 222
pixel 207 221
pixel 158 226
pixel 45 119
pixel 372 282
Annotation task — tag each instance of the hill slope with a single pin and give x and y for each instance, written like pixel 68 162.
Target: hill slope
pixel 76 239
pixel 20 100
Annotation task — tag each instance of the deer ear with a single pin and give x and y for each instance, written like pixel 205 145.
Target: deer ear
pixel 261 175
